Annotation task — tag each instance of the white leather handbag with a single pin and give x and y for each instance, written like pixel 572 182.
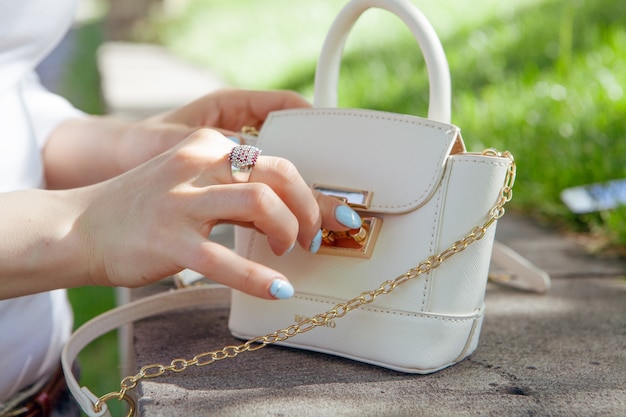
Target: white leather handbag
pixel 429 210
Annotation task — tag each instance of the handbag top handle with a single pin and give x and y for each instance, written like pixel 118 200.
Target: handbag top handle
pixel 327 72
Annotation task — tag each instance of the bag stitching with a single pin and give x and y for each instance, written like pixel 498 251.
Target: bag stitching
pixel 347 113
pixel 392 312
pixel 423 315
pixel 436 221
pixel 474 161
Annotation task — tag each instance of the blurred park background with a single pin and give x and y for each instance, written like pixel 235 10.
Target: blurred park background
pixel 544 79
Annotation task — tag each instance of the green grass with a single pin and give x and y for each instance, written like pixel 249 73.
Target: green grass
pixel 544 79
pixel 552 94
pixel 81 85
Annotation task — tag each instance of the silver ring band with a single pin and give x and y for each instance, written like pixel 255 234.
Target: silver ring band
pixel 242 159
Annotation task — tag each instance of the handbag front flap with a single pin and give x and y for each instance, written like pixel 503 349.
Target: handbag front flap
pixel 398 159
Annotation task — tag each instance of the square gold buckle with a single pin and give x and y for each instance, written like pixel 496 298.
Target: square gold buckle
pixel 357 243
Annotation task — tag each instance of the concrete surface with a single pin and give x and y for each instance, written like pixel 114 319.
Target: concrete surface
pixel 559 354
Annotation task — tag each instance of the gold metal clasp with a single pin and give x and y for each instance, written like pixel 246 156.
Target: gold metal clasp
pixel 358 243
pixel 357 199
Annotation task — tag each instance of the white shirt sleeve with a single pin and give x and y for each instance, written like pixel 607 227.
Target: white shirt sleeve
pixel 46 110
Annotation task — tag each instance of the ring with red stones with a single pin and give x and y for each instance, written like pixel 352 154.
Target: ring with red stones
pixel 242 159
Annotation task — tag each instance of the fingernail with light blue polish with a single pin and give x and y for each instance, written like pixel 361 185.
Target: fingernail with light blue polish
pixel 348 217
pixel 281 289
pixel 293 245
pixel 316 243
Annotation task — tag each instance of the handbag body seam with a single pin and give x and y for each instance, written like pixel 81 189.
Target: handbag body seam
pixel 489 161
pixel 377 309
pixel 433 239
pixel 368 114
pixel 468 343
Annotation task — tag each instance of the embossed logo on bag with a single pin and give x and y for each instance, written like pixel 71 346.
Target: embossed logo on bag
pixel 298 318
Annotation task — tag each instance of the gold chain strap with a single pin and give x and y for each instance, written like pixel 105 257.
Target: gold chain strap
pixel 340 310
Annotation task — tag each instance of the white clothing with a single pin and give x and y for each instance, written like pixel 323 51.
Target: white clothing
pixel 33 329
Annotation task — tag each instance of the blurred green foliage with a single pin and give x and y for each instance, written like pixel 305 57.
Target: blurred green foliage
pixel 548 85
pixel 81 84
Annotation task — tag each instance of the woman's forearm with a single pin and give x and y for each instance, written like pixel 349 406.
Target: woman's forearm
pixel 89 150
pixel 41 248
pixel 83 151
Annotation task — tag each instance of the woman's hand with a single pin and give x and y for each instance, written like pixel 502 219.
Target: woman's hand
pixel 103 147
pixel 155 220
pixel 231 109
pixel 226 110
pixel 167 188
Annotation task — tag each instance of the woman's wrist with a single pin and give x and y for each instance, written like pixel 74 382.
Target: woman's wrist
pixel 42 248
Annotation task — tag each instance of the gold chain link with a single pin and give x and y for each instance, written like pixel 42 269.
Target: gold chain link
pixel 340 310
